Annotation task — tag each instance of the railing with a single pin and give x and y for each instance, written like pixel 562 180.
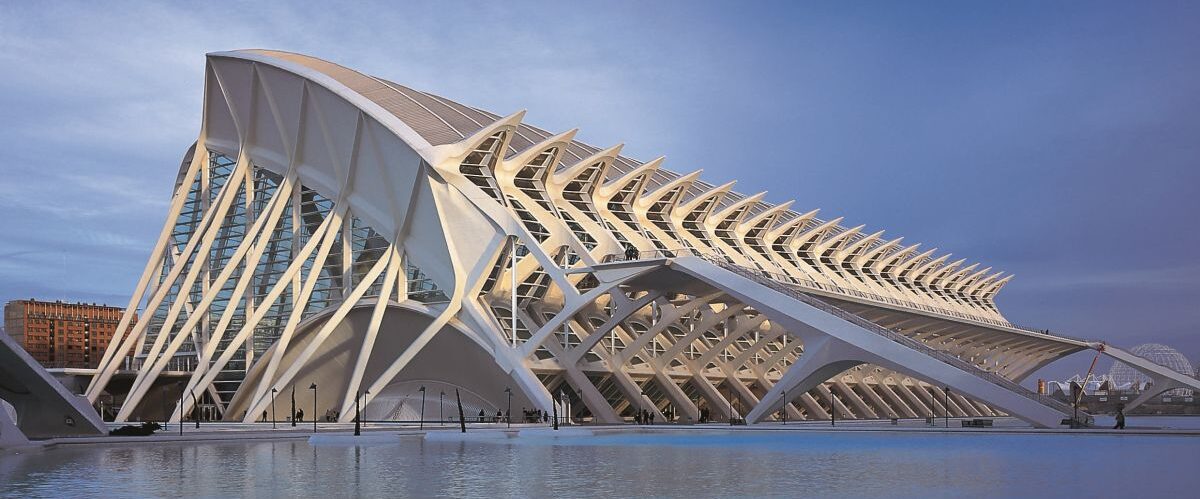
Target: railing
pixel 832 288
pixel 941 355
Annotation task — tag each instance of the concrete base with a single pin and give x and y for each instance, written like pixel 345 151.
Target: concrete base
pixel 44 408
pixel 10 435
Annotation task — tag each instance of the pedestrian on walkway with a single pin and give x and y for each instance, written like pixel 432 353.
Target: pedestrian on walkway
pixel 1120 418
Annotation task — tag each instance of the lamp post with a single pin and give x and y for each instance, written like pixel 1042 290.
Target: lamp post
pixel 292 417
pixel 180 385
pixel 554 407
pixel 196 409
pixel 273 392
pixel 441 409
pixel 508 414
pixel 358 413
pixel 422 390
pixel 832 410
pixel 947 404
pixel 313 387
pixel 785 402
pixel 730 400
pixel 166 415
pixel 932 408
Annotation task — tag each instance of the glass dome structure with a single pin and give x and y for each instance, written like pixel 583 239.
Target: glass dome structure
pixel 1163 355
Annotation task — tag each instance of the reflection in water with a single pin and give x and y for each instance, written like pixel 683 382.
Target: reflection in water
pixel 691 464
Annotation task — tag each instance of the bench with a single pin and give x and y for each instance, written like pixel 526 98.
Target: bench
pixel 977 423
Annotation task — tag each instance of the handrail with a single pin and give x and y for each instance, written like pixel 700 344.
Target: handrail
pixel 833 288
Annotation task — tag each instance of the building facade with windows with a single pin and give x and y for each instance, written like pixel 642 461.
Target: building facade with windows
pixel 357 241
pixel 62 335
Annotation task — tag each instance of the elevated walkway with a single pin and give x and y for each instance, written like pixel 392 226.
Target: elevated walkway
pixel 834 340
pixel 1161 378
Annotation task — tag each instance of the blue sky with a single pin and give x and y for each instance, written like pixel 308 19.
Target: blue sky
pixel 1054 140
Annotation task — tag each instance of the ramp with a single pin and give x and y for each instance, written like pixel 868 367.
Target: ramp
pixel 836 340
pixel 1162 377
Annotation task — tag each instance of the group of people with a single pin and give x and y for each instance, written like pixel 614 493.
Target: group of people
pixel 500 416
pixel 647 417
pixel 299 416
pixel 535 416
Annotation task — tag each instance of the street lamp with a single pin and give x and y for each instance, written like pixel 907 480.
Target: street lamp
pixel 932 408
pixel 273 392
pixel 508 414
pixel 441 409
pixel 180 385
pixel 313 387
pixel 947 404
pixel 832 409
pixel 554 407
pixel 166 415
pixel 785 402
pixel 195 409
pixel 730 400
pixel 358 413
pixel 292 417
pixel 422 390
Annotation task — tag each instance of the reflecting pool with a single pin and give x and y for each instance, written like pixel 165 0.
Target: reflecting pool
pixel 696 463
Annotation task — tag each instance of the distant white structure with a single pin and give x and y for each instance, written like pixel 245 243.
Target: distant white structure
pixel 1163 355
pixel 1090 386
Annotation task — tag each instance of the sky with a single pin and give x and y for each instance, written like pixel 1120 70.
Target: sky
pixel 1058 141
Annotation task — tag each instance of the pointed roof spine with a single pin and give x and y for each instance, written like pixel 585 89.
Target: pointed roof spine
pixel 516 162
pixel 611 187
pixel 745 202
pixel 976 288
pixel 965 285
pixel 904 267
pixel 990 293
pixel 773 233
pixel 648 198
pixel 850 253
pixel 449 155
pixel 895 259
pixel 936 277
pixel 836 240
pixel 716 191
pixel 812 234
pixel 565 176
pixel 870 253
pixel 920 271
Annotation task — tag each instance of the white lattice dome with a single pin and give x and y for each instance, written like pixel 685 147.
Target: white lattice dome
pixel 1159 354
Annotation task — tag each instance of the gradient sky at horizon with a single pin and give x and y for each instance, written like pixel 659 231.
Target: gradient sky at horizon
pixel 1058 141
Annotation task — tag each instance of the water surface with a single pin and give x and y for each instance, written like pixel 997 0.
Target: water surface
pixel 678 464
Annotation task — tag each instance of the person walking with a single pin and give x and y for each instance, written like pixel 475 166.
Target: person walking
pixel 1120 418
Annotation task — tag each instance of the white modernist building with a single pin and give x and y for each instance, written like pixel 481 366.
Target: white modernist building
pixel 335 237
